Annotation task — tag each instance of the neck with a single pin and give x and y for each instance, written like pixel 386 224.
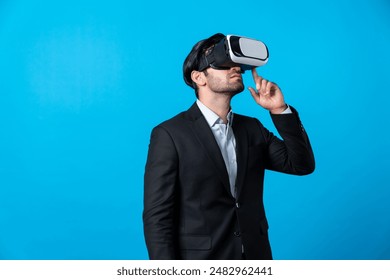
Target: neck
pixel 219 104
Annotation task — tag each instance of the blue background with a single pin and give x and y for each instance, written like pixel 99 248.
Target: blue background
pixel 84 82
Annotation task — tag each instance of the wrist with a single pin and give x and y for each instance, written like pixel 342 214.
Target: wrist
pixel 278 110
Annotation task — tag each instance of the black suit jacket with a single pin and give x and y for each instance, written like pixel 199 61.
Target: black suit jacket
pixel 189 211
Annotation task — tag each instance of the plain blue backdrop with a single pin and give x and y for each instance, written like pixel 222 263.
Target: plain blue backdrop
pixel 82 83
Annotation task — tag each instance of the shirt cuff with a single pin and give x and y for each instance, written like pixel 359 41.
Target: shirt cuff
pixel 287 111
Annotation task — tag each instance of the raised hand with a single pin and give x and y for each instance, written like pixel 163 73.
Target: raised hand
pixel 267 94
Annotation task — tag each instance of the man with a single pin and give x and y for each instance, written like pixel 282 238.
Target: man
pixel 205 169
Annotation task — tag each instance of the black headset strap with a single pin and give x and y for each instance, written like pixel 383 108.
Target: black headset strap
pixel 206 61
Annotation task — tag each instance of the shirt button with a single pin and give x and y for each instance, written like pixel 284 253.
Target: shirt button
pixel 237 234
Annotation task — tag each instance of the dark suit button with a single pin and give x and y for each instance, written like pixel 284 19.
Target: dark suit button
pixel 238 205
pixel 237 233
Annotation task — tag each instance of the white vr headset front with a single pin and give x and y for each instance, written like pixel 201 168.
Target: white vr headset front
pixel 234 51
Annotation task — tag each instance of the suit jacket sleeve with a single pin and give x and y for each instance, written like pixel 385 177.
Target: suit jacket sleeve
pixel 294 154
pixel 159 196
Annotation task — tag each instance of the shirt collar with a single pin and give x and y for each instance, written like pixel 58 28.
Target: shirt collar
pixel 211 117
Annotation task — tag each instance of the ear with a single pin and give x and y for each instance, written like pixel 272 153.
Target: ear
pixel 198 78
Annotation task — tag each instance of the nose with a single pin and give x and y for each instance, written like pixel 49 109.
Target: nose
pixel 237 69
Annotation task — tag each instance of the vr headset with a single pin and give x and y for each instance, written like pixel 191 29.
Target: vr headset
pixel 234 51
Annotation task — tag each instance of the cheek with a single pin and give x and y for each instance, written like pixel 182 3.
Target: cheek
pixel 220 79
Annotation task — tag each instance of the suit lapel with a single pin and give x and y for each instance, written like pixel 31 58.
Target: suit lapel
pixel 207 140
pixel 241 136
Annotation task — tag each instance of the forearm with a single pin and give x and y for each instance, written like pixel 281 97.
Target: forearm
pixel 158 218
pixel 294 154
pixel 159 235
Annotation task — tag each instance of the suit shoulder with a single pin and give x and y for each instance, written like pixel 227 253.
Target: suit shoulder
pixel 182 119
pixel 174 121
pixel 175 125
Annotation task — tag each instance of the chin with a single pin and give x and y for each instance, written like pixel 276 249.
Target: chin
pixel 240 89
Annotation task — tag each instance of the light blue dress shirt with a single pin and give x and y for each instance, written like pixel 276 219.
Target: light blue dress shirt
pixel 224 136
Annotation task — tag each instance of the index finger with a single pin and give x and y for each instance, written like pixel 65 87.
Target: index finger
pixel 254 74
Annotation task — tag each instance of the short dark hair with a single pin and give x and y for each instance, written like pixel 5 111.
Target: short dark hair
pixel 193 59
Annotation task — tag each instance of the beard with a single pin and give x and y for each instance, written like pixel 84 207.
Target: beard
pixel 227 85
